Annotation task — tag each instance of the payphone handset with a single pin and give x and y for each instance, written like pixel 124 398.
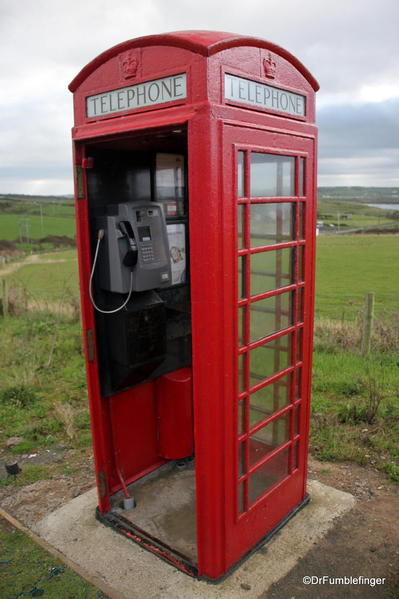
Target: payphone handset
pixel 132 252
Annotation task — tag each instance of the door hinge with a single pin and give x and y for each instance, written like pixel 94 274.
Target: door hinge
pixel 80 190
pixel 90 345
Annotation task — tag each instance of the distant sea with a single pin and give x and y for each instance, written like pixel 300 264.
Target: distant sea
pixel 385 206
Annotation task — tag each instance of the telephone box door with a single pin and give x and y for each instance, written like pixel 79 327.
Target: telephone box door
pixel 269 180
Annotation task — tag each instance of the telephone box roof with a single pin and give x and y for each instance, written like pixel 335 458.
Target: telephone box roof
pixel 206 43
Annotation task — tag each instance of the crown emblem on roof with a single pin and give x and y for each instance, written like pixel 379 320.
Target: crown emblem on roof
pixel 128 64
pixel 269 67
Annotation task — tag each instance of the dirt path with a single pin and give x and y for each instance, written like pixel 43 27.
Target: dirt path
pixel 40 304
pixel 31 259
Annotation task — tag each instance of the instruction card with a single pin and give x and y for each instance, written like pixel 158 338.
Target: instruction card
pixel 177 249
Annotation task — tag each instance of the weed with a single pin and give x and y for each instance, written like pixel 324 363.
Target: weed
pixel 65 414
pixel 67 469
pixel 349 388
pixel 391 469
pixel 356 412
pixel 386 332
pixel 366 408
pixel 332 336
pixel 27 476
pixel 25 446
pixel 18 397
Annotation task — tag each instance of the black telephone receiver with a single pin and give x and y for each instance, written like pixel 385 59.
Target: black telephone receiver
pixel 131 256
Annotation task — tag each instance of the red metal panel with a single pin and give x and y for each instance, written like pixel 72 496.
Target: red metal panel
pixel 206 242
pixel 99 410
pixel 205 43
pixel 133 418
pixel 175 414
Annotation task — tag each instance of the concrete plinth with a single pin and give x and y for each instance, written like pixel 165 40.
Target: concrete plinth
pixel 135 573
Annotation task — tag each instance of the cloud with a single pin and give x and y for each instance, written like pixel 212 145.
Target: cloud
pixel 350 47
pixel 359 143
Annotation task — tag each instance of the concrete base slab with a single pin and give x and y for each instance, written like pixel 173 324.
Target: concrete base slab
pixel 135 573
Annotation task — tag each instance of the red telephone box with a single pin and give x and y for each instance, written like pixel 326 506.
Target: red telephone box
pixel 194 156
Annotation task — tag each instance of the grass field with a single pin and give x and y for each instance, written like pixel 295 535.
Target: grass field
pixel 37 206
pixel 349 267
pixel 12 226
pixel 348 215
pixel 42 355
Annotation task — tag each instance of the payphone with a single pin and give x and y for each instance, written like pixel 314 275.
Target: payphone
pixel 194 156
pixel 134 255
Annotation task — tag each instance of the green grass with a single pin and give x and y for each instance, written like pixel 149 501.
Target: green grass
pixel 42 382
pixel 11 226
pixel 42 355
pixel 355 405
pixel 349 267
pixel 26 570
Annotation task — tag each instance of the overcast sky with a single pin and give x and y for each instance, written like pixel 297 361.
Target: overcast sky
pixel 350 46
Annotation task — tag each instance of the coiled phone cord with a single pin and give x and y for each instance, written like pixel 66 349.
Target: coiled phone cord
pixel 99 238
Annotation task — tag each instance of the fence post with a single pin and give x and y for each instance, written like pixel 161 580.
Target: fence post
pixel 367 323
pixel 4 297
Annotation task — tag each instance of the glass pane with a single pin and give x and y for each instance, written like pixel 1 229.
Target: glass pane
pixel 295 456
pixel 240 174
pixel 270 315
pixel 241 325
pixel 272 223
pixel 241 416
pixel 296 419
pixel 298 384
pixel 300 255
pixel 271 270
pixel 269 399
pixel 301 190
pixel 268 438
pixel 240 225
pixel 301 231
pixel 270 358
pixel 241 373
pixel 241 504
pixel 299 341
pixel 269 474
pixel 300 305
pixel 242 261
pixel 272 175
pixel 241 459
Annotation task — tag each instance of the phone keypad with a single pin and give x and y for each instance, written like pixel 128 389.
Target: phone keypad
pixel 147 254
